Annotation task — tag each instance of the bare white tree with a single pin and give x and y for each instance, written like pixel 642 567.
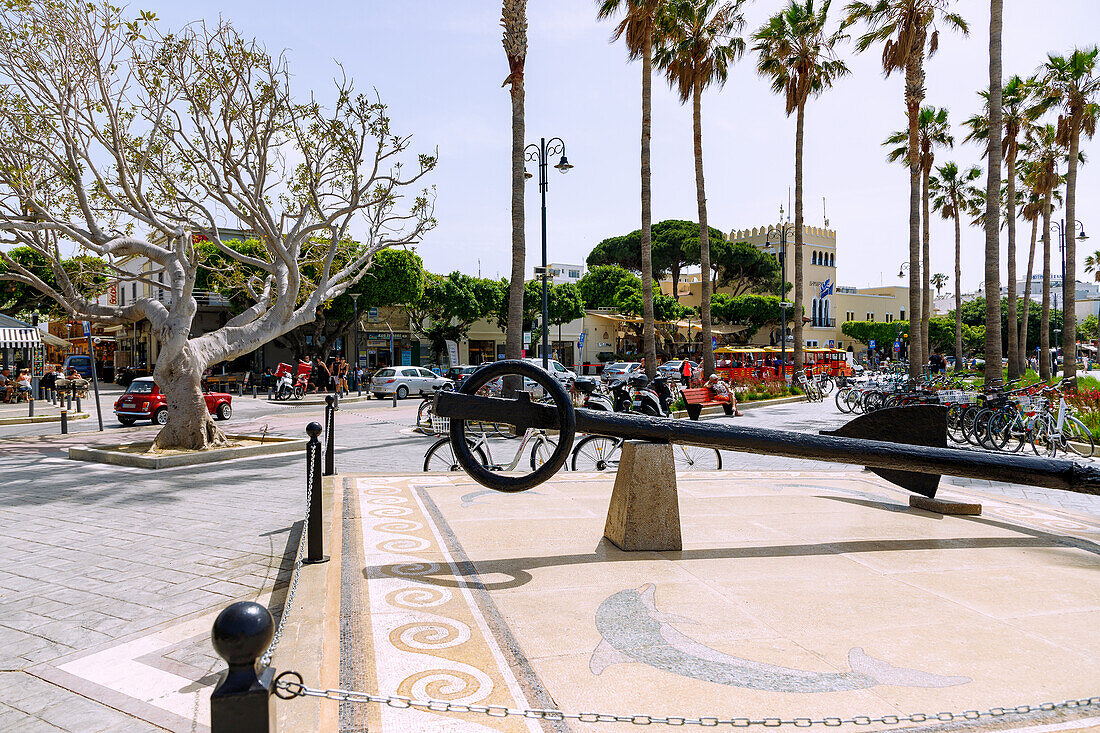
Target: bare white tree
pixel 118 141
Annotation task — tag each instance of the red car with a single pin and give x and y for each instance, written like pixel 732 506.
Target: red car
pixel 143 401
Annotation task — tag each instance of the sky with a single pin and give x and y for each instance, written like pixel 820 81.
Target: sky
pixel 439 66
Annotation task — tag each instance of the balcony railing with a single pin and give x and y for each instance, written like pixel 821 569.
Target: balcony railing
pixel 203 298
pixel 823 323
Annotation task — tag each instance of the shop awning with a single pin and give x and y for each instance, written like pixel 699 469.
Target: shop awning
pixel 50 340
pixel 20 338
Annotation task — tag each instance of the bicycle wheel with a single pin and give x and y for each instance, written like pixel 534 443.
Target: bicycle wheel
pixel 873 400
pixel 695 458
pixel 997 429
pixel 1043 440
pixel 827 385
pixel 854 400
pixel 841 399
pixel 541 452
pixel 424 416
pixel 969 418
pixel 1077 438
pixel 440 457
pixel 597 453
pixel 954 423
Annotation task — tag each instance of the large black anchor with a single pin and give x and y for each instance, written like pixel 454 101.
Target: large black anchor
pixel 905 445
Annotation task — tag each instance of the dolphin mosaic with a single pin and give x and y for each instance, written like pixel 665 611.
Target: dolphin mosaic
pixel 633 630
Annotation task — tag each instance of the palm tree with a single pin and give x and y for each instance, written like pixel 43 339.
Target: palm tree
pixel 953 195
pixel 638 28
pixel 907 29
pixel 1072 83
pixel 933 131
pixel 938 281
pixel 800 58
pixel 993 203
pixel 1092 265
pixel 696 44
pixel 514 20
pixel 1044 153
pixel 1015 118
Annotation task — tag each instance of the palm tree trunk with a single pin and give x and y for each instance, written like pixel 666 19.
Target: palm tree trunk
pixel 1044 323
pixel 1069 280
pixel 1013 346
pixel 799 301
pixel 648 340
pixel 926 269
pixel 1027 297
pixel 704 230
pixel 914 85
pixel 513 337
pixel 993 204
pixel 958 287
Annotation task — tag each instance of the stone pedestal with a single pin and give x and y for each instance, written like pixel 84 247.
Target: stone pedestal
pixel 945 506
pixel 644 514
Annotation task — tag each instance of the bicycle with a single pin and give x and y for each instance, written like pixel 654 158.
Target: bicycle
pixel 602 453
pixel 440 456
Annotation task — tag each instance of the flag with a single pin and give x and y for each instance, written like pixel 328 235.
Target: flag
pixel 826 288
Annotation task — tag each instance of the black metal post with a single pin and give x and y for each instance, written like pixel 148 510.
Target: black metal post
pixel 78 409
pixel 64 421
pixel 253 390
pixel 30 407
pixel 242 702
pixel 545 272
pixel 315 548
pixel 330 437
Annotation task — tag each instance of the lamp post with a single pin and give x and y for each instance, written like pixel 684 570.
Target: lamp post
pixel 355 337
pixel 1061 225
pixel 781 230
pixel 539 153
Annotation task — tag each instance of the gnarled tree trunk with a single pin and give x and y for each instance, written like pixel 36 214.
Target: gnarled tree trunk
pixel 190 426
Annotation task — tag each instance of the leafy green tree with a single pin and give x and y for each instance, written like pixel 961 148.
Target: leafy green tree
pixel 450 305
pixel 395 277
pixel 749 310
pixel 744 268
pixel 675 245
pixel 598 286
pixel 882 333
pixel 973 314
pixel 1089 328
pixel 628 301
pixel 88 274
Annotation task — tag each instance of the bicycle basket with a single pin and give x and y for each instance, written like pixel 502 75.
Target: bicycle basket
pixel 441 425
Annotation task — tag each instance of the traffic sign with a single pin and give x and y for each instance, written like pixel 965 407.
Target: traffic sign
pixel 872 343
pixel 580 339
pixel 87 328
pixel 713 343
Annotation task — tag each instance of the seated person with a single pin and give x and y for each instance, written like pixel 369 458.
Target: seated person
pixel 23 385
pixel 49 379
pixel 722 393
pixel 6 384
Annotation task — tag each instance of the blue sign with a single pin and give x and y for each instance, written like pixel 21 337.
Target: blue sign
pixel 87 328
pixel 872 343
pixel 580 341
pixel 826 288
pixel 713 343
pixel 831 343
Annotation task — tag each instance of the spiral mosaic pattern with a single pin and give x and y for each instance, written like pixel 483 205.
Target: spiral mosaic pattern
pixel 430 635
pixel 421 596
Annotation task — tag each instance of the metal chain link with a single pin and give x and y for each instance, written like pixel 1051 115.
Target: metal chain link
pixel 297 689
pixel 265 660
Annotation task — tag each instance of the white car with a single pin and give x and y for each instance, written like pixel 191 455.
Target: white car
pixel 557 370
pixel 405 380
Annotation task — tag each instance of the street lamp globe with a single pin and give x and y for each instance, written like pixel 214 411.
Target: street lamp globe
pixel 1082 236
pixel 564 165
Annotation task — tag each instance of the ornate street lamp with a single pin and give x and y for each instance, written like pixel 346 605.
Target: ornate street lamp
pixel 781 230
pixel 540 153
pixel 1081 237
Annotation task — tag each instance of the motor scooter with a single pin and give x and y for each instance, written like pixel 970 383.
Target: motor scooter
pixel 651 397
pixel 622 395
pixel 594 399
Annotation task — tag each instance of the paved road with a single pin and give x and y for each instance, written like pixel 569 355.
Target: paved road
pixel 92 554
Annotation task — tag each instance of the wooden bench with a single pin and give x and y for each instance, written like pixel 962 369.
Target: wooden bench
pixel 697 399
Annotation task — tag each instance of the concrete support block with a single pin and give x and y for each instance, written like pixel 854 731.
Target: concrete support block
pixel 644 514
pixel 940 506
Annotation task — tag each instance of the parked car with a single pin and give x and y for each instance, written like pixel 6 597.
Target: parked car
pixel 403 381
pixel 143 400
pixel 557 370
pixel 458 373
pixel 672 368
pixel 82 363
pixel 620 370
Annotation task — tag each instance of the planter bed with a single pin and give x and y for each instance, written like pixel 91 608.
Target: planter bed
pixel 135 455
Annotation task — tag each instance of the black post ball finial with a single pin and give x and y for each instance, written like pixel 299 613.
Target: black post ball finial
pixel 314 429
pixel 329 399
pixel 241 633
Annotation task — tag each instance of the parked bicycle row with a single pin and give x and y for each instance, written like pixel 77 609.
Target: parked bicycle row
pixel 1004 417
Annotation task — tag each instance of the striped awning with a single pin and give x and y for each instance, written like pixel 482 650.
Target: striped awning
pixel 19 338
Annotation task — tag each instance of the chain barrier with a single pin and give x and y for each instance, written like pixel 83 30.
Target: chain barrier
pixel 287 688
pixel 288 604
